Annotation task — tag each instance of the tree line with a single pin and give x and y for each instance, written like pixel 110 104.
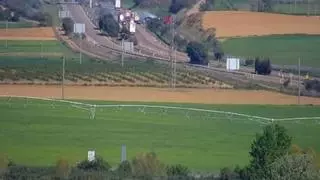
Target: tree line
pixel 30 9
pixel 272 157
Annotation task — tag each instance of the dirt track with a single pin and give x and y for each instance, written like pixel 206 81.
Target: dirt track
pixel 237 23
pixel 42 33
pixel 205 96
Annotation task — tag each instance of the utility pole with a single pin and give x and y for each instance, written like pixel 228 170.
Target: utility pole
pixel 41 44
pixel 122 52
pixel 63 73
pixel 173 60
pixel 308 7
pixel 7 24
pixel 299 82
pixel 80 48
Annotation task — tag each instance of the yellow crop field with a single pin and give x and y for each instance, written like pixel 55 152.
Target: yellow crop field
pixel 242 23
pixel 41 33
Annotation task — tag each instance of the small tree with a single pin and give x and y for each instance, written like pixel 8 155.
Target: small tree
pixel 228 174
pixel 263 66
pixel 67 25
pixel 125 169
pixel 197 53
pixel 108 24
pixel 97 165
pixel 147 165
pixel 177 170
pixel 294 167
pixel 272 144
pixel 62 168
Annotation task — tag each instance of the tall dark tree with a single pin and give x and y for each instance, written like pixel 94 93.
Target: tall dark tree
pixel 197 53
pixel 108 24
pixel 67 25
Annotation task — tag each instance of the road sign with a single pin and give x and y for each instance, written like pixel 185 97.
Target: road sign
pixel 79 28
pixel 64 14
pixel 118 3
pixel 233 64
pixel 91 155
pixel 128 46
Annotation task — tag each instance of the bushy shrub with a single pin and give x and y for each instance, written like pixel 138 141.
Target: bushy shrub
pixel 97 165
pixel 147 165
pixel 108 24
pixel 197 53
pixel 312 85
pixel 228 174
pixel 177 170
pixel 62 168
pixel 125 169
pixel 263 67
pixel 67 25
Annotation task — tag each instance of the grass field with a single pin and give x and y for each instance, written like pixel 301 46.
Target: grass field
pixel 282 50
pixel 22 24
pixel 38 133
pixel 31 46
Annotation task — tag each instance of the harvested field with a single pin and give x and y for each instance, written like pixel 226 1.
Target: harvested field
pixel 241 23
pixel 43 33
pixel 203 96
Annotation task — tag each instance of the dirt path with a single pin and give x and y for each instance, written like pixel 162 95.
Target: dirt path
pixel 204 96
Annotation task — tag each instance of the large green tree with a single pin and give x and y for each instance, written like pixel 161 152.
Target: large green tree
pixel 273 143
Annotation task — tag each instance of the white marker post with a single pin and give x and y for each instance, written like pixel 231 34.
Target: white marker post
pixel 80 29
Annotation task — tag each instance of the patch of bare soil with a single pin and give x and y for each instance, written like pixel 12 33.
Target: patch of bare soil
pixel 42 33
pixel 204 96
pixel 242 23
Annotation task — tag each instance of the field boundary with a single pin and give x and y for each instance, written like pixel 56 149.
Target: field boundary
pixel 92 109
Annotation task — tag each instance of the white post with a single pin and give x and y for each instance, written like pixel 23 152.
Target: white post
pixel 63 74
pixel 299 82
pixel 41 44
pixel 80 48
pixel 7 24
pixel 122 52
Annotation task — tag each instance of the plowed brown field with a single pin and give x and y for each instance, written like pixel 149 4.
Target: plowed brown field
pixel 203 96
pixel 43 33
pixel 240 23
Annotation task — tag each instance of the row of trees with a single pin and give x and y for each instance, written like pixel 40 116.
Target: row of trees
pixel 272 157
pixel 30 9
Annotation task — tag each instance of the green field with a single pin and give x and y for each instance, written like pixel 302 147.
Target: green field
pixel 22 24
pixel 298 9
pixel 32 46
pixel 282 49
pixel 36 132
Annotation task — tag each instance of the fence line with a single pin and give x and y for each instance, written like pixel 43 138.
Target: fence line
pixel 78 105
